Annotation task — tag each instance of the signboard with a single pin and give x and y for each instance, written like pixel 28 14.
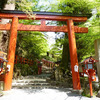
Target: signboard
pixel 76 68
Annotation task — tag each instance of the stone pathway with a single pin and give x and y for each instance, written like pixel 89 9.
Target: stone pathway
pixel 33 82
pixel 37 88
pixel 43 94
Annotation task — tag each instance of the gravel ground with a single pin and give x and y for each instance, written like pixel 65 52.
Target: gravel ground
pixel 43 94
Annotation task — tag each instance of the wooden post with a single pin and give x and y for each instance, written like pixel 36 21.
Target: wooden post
pixel 90 84
pixel 30 62
pixel 11 54
pixel 27 61
pixel 21 60
pixel 73 55
pixel 16 59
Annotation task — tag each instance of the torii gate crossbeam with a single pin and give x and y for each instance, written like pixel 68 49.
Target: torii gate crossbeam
pixel 44 28
pixel 70 28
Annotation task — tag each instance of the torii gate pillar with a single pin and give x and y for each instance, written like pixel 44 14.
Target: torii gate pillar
pixel 11 54
pixel 73 55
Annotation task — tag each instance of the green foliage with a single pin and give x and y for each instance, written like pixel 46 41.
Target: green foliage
pixel 65 56
pixel 85 42
pixel 86 92
pixel 25 69
pixel 31 45
pixel 28 6
pixel 75 6
pixel 56 49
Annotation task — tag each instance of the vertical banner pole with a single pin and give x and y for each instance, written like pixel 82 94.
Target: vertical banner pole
pixel 73 55
pixel 11 54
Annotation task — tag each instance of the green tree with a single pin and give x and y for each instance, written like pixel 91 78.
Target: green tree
pixel 56 50
pixel 72 7
pixel 75 6
pixel 85 42
pixel 31 45
pixel 24 5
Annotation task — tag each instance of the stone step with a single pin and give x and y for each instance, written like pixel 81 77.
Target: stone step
pixel 47 72
pixel 37 77
pixel 34 87
pixel 42 76
pixel 30 84
pixel 34 82
pixel 30 81
pixel 24 81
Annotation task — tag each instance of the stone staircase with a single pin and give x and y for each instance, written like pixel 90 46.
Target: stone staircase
pixel 35 82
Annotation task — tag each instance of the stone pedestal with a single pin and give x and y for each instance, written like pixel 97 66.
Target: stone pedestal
pixel 98 95
pixel 1 85
pixel 97 55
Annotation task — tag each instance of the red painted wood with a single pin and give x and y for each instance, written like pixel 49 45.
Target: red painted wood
pixel 11 54
pixel 46 17
pixel 24 60
pixel 90 84
pixel 70 29
pixel 73 55
pixel 5 26
pixel 44 28
pixel 20 59
pixel 16 59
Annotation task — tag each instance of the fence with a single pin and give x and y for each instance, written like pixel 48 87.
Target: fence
pixel 19 59
pixel 48 63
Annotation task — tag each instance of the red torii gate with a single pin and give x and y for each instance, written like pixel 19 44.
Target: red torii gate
pixel 43 16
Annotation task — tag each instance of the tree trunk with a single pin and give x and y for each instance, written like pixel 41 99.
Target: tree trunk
pixel 65 55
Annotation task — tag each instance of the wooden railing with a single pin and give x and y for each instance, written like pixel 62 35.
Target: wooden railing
pixel 48 63
pixel 19 59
